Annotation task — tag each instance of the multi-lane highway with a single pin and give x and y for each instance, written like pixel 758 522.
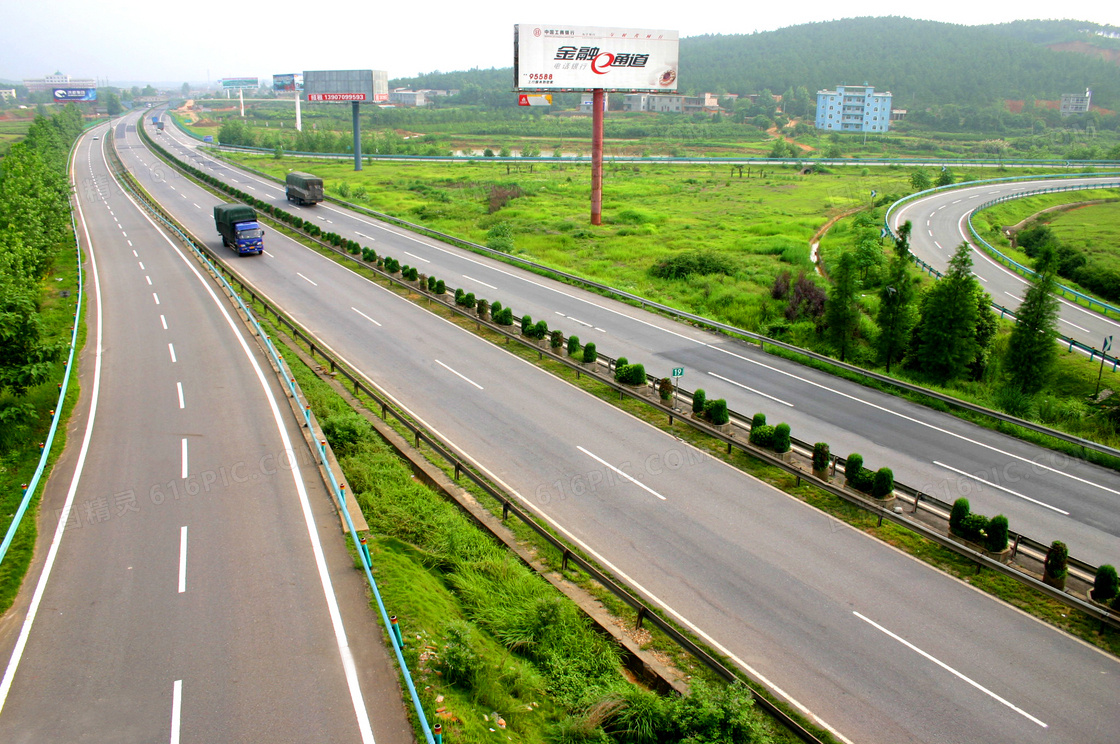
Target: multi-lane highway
pixel 191 579
pixel 940 225
pixel 873 644
pixel 1045 495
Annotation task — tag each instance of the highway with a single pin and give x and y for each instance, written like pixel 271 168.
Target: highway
pixel 940 225
pixel 191 580
pixel 1044 494
pixel 871 643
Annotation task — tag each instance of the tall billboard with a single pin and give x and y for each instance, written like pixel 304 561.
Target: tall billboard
pixel 74 95
pixel 287 83
pixel 344 86
pixel 242 82
pixel 552 57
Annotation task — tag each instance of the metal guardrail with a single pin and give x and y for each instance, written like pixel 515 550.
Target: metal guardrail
pixel 33 484
pixel 770 458
pixel 202 253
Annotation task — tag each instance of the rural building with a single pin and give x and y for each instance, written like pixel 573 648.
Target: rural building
pixel 1075 103
pixel 853 108
pixel 58 80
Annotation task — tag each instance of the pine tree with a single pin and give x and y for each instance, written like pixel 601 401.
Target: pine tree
pixel 896 316
pixel 841 313
pixel 945 339
pixel 1031 351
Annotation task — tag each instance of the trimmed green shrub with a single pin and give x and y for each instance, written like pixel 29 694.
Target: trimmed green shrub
pixel 960 510
pixel 496 309
pixel 431 284
pixel 665 389
pixel 441 288
pixel 1056 564
pixel 368 255
pixel 631 374
pixel 781 438
pixel 469 301
pixel 573 345
pixel 852 465
pixel 526 324
pixel 413 274
pixel 538 331
pixel 483 307
pixel 556 340
pixel 996 539
pixel 620 362
pixel 590 353
pixel 882 483
pixel 972 527
pixel 459 295
pixel 821 456
pixel 1105 584
pixel 762 436
pixel 504 316
pixel 759 419
pixel 699 398
pixel 716 411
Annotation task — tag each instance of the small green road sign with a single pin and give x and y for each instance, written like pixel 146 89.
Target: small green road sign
pixel 678 371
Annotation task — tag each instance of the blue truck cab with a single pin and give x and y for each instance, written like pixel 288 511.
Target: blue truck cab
pixel 238 226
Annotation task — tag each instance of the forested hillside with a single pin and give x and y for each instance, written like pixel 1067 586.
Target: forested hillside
pixel 923 63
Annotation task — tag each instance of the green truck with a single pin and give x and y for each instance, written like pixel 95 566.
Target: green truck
pixel 239 228
pixel 304 188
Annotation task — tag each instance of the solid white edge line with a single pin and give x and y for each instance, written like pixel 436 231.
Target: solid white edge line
pixel 52 553
pixel 349 668
pixel 460 375
pixel 176 710
pixel 183 559
pixel 635 481
pixel 996 485
pixel 950 669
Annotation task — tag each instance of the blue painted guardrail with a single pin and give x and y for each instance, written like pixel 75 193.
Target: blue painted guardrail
pixel 33 484
pixel 320 445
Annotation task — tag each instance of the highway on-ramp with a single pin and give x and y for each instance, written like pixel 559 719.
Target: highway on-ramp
pixel 191 579
pixel 875 645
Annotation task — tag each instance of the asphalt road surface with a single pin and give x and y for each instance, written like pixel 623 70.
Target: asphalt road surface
pixel 873 644
pixel 191 589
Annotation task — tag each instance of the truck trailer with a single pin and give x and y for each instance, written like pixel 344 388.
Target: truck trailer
pixel 304 188
pixel 238 226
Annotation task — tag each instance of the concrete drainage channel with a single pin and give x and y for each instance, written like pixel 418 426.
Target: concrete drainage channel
pixel 928 515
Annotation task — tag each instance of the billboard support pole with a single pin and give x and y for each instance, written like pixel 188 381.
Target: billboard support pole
pixel 299 121
pixel 597 157
pixel 357 137
pixel 241 98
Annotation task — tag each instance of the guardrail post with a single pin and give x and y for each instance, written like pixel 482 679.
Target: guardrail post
pixel 1015 547
pixel 917 500
pixel 396 630
pixel 564 560
pixel 505 510
pixel 641 617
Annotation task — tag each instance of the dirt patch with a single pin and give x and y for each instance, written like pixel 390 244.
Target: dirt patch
pixel 1084 47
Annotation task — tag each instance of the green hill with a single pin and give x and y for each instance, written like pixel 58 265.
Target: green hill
pixel 923 63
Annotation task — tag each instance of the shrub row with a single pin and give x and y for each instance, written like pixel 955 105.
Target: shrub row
pixel 763 435
pixel 714 411
pixel 879 483
pixel 978 528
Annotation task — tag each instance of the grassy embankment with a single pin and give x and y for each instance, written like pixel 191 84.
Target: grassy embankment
pixel 19 455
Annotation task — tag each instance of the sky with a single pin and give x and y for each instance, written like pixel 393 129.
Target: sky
pixel 205 40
